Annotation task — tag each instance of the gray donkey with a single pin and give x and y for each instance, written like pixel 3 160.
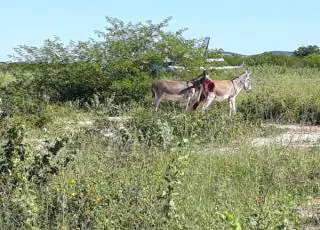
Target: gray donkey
pixel 176 90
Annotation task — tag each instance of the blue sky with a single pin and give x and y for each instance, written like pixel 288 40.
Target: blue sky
pixel 247 26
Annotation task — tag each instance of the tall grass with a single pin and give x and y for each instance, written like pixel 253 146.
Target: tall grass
pixel 281 94
pixel 165 170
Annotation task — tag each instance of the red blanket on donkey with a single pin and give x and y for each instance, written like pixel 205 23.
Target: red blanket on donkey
pixel 208 86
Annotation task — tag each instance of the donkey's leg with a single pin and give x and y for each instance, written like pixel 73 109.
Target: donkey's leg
pixel 198 98
pixel 157 103
pixel 234 110
pixel 190 96
pixel 156 96
pixel 210 98
pixel 200 93
pixel 232 104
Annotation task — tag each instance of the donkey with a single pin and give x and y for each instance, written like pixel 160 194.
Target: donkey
pixel 177 90
pixel 226 90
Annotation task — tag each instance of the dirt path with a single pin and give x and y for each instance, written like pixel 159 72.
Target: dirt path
pixel 295 135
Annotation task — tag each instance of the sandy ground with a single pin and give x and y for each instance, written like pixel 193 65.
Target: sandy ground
pixel 294 135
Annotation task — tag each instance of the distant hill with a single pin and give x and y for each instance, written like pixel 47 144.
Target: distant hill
pixel 226 53
pixel 281 52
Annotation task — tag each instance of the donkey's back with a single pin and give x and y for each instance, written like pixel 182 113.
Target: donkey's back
pixel 172 90
pixel 223 89
pixel 168 86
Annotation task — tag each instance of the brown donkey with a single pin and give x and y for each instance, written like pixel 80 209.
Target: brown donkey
pixel 226 90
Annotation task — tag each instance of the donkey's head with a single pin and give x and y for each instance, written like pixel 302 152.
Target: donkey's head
pixel 205 74
pixel 245 80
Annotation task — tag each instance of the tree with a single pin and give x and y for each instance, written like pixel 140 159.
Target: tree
pixel 121 61
pixel 121 48
pixel 303 51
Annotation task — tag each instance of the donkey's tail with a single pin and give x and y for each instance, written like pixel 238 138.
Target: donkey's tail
pixel 153 93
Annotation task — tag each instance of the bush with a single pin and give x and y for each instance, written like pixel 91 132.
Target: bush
pixel 311 60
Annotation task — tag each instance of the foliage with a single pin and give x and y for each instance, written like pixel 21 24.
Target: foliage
pixel 183 186
pixel 273 59
pixel 274 97
pixel 23 173
pixel 121 61
pixel 65 163
pixel 311 60
pixel 303 51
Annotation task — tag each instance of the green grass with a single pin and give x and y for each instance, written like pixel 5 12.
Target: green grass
pixel 165 170
pixel 210 190
pixel 258 187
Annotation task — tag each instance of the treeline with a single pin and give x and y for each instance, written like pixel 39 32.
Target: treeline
pixel 311 60
pixel 304 56
pixel 120 62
